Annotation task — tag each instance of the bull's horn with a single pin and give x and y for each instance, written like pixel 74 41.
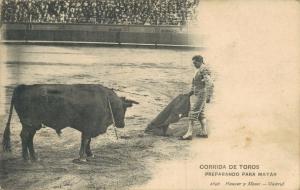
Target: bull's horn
pixel 132 101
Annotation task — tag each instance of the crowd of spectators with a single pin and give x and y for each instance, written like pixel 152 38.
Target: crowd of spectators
pixel 137 12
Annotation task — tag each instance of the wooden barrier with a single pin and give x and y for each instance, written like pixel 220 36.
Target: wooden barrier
pixel 171 35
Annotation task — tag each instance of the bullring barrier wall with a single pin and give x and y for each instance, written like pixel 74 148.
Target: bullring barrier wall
pixel 156 35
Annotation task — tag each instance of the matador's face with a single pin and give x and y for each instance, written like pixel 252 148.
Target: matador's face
pixel 197 64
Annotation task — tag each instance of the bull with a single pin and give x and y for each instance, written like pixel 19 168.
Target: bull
pixel 88 108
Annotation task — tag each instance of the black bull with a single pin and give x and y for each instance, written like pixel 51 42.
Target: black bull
pixel 84 107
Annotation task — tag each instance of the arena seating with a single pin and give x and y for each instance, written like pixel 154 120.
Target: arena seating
pixel 125 12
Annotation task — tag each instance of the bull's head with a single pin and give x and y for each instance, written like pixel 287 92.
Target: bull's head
pixel 119 117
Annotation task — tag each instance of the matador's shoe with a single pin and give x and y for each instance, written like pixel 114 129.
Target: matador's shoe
pixel 202 135
pixel 203 131
pixel 185 138
pixel 189 134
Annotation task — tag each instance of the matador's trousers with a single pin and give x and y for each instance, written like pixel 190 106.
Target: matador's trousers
pixel 198 102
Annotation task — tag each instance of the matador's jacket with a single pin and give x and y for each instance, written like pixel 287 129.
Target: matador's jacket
pixel 202 86
pixel 202 81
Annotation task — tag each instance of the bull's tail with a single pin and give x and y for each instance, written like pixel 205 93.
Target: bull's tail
pixel 6 135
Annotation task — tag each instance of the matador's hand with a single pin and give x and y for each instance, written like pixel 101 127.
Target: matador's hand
pixel 208 100
pixel 191 93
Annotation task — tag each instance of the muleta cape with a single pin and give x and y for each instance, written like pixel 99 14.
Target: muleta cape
pixel 178 108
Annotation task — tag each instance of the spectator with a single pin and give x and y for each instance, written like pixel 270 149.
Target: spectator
pixel 138 12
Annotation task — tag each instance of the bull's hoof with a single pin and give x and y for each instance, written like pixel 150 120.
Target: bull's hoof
pixel 80 161
pixel 91 156
pixel 26 160
pixel 34 159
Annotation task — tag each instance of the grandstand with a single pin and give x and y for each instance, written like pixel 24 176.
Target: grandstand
pixel 109 21
pixel 128 12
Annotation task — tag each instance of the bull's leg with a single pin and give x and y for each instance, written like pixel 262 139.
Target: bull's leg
pixel 165 128
pixel 24 137
pixel 88 149
pixel 30 146
pixel 83 147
